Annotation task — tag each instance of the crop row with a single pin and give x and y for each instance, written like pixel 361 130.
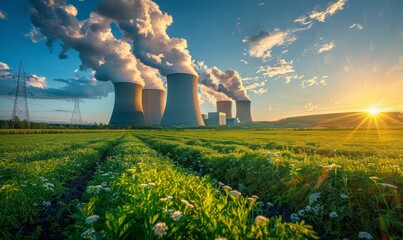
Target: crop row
pixel 29 188
pixel 138 194
pixel 339 195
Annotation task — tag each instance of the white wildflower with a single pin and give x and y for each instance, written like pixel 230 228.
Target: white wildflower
pixel 241 187
pixel 235 193
pixel 91 219
pixel 301 212
pixel 294 217
pixel 387 185
pixel 187 203
pixel 260 203
pixel 176 215
pixel 317 209
pixel 104 184
pixel 107 189
pixel 88 232
pixel 168 211
pixel 365 235
pixel 331 166
pixel 48 186
pixel 344 196
pixel 105 175
pixel 313 198
pixel 160 229
pixel 269 204
pixel 46 203
pixel 308 208
pixel 151 184
pixel 261 219
pixel 333 215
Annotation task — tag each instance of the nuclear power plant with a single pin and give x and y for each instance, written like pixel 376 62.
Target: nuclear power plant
pixel 182 106
pixel 128 108
pixel 243 111
pixel 153 105
pixel 137 107
pixel 225 107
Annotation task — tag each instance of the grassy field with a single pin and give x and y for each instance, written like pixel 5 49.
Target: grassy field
pixel 202 184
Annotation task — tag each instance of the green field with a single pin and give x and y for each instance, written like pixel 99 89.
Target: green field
pixel 201 184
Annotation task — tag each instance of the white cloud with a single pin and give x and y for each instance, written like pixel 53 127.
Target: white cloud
pixel 282 67
pixel 35 35
pixel 356 26
pixel 37 81
pixel 260 91
pixel 238 25
pixel 260 45
pixel 326 47
pixel 255 85
pixel 291 77
pixel 243 61
pixel 249 78
pixel 269 107
pixel 330 10
pixel 310 107
pixel 3 15
pixel 70 9
pixel 315 81
pixel 260 4
pixel 303 20
pixel 4 66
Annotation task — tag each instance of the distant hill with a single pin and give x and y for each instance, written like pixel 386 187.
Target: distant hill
pixel 340 120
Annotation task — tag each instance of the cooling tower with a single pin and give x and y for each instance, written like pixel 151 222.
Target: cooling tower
pixel 243 111
pixel 182 103
pixel 225 107
pixel 128 110
pixel 153 105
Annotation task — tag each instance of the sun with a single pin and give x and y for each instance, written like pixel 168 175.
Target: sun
pixel 373 111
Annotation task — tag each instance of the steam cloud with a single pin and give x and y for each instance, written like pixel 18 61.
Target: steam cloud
pixel 228 83
pixel 92 38
pixel 145 24
pixel 152 53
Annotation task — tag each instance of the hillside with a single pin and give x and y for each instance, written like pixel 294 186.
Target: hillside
pixel 341 120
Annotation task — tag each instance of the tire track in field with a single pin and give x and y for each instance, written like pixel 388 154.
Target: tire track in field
pixel 56 218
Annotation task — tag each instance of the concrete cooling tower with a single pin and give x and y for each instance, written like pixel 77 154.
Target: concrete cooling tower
pixel 153 105
pixel 128 109
pixel 182 106
pixel 225 107
pixel 243 111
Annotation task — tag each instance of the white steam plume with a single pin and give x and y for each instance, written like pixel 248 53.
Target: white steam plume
pixel 145 24
pixel 228 83
pixel 92 38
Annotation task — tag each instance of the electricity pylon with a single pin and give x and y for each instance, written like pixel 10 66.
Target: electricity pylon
pixel 76 117
pixel 20 109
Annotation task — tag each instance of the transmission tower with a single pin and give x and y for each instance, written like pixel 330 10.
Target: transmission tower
pixel 20 109
pixel 76 117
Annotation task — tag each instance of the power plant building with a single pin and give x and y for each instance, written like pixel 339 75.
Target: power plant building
pixel 216 118
pixel 225 107
pixel 182 107
pixel 232 121
pixel 128 109
pixel 153 105
pixel 243 111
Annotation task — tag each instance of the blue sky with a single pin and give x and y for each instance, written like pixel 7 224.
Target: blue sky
pixel 293 57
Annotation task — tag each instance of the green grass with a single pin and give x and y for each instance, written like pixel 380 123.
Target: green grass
pixel 342 182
